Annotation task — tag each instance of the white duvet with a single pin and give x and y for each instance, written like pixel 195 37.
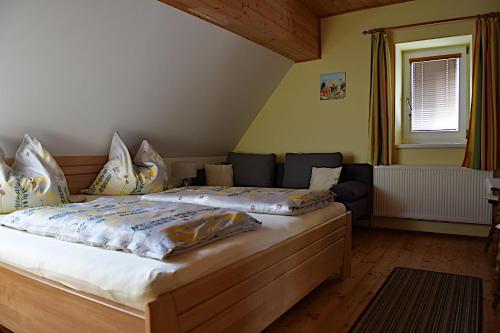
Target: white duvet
pixel 135 281
pixel 145 228
pixel 262 200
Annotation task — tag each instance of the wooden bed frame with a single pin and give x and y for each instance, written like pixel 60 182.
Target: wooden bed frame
pixel 245 296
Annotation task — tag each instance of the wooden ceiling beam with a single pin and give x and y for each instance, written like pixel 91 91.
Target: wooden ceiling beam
pixel 287 27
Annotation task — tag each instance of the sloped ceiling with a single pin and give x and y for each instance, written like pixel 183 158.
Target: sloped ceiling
pixel 290 28
pixel 74 71
pixel 286 27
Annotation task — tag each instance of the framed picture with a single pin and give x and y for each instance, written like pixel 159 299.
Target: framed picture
pixel 332 86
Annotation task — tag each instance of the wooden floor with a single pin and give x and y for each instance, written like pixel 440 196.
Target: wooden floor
pixel 334 306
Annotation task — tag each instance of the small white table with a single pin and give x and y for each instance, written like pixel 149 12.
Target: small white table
pixel 493 187
pixel 495 227
pixel 496 300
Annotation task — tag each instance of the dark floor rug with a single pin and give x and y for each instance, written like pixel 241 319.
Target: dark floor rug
pixel 413 300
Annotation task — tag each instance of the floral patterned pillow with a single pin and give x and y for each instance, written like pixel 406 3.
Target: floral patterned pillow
pixel 35 179
pixel 147 173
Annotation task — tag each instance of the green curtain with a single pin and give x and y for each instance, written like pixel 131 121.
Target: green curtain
pixel 381 111
pixel 482 142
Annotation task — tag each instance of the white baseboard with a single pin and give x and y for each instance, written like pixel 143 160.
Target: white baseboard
pixel 464 229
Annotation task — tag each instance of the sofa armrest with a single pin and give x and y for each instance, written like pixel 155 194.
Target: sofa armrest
pixel 360 172
pixel 351 190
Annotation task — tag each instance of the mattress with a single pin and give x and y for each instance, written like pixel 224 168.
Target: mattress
pixel 135 281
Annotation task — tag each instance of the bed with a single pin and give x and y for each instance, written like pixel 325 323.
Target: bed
pixel 242 283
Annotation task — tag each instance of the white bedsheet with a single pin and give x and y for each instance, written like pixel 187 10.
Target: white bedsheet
pixel 135 281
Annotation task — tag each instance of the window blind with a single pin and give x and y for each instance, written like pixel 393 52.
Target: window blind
pixel 435 94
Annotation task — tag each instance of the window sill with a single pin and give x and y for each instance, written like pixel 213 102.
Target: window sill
pixel 430 145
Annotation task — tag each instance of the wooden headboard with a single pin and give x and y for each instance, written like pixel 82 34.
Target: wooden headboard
pixel 80 171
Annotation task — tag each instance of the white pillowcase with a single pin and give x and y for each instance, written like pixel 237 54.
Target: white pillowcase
pixel 35 179
pixel 219 175
pixel 324 178
pixel 122 176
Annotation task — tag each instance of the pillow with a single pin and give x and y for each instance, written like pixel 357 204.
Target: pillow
pixel 324 178
pixel 298 167
pixel 120 176
pixel 254 170
pixel 35 179
pixel 219 174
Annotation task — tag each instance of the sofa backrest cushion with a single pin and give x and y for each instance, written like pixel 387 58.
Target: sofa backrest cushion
pixel 298 167
pixel 257 170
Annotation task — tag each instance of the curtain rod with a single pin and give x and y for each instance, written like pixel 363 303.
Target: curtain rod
pixel 463 18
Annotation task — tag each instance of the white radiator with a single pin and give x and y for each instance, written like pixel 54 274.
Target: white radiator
pixel 433 193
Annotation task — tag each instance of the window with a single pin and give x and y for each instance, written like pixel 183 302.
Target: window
pixel 434 93
pixel 434 88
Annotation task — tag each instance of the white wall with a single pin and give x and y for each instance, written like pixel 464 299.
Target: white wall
pixel 74 71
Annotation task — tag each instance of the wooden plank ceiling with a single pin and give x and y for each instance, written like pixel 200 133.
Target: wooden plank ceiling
pixel 325 8
pixel 288 27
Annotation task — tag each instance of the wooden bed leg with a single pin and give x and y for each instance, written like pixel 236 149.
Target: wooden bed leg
pixel 161 316
pixel 346 266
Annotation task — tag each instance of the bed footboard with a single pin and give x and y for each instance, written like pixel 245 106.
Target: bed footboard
pixel 246 296
pixel 30 304
pixel 249 295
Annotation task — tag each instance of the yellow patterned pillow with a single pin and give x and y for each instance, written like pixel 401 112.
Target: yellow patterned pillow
pixel 122 176
pixel 35 179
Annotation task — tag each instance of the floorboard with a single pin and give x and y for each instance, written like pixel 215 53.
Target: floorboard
pixel 334 306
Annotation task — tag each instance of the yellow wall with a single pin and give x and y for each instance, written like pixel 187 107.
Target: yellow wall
pixel 295 120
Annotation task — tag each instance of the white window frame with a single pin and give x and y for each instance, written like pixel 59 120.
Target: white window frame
pixel 404 137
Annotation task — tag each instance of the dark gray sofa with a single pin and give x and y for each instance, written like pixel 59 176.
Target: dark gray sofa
pixel 354 190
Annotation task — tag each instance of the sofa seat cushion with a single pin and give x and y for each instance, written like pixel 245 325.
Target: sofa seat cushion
pixel 298 167
pixel 350 190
